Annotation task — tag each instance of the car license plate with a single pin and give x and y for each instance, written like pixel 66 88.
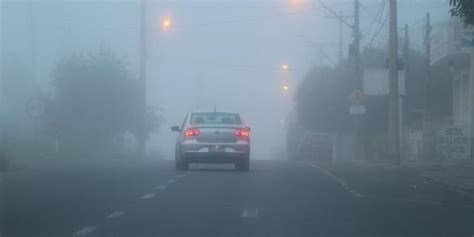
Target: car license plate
pixel 216 148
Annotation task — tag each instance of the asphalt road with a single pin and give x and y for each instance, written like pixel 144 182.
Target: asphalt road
pixel 276 198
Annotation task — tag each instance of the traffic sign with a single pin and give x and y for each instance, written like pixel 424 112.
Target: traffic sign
pixel 357 110
pixel 357 97
pixel 35 107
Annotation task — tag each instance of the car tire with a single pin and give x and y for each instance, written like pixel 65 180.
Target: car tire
pixel 243 165
pixel 177 164
pixel 184 165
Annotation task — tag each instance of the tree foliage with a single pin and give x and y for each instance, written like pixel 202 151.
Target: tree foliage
pixel 323 100
pixel 16 90
pixel 95 101
pixel 463 9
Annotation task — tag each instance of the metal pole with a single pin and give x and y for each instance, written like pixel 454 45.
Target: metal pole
pixel 426 111
pixel 142 136
pixel 356 34
pixel 340 48
pixel 394 146
pixel 357 84
pixel 33 41
pixel 402 105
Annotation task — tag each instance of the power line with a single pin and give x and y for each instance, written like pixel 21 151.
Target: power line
pixel 376 17
pixel 379 30
pixel 251 19
pixel 229 65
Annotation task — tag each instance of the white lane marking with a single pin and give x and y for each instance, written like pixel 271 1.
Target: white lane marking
pixel 424 202
pixel 160 187
pixel 171 181
pixel 249 213
pixel 338 180
pixel 84 231
pixel 115 214
pixel 148 196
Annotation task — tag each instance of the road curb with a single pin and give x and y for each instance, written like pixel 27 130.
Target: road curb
pixel 462 191
pixel 465 192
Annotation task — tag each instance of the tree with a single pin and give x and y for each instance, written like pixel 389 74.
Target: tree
pixel 463 9
pixel 322 100
pixel 17 88
pixel 95 102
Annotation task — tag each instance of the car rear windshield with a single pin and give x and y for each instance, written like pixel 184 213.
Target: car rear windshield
pixel 215 118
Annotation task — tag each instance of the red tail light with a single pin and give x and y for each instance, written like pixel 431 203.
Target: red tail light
pixel 242 133
pixel 192 132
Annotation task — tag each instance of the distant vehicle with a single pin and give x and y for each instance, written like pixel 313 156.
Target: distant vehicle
pixel 306 145
pixel 213 137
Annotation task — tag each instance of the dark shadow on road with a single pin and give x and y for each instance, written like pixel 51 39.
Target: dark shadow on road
pixel 214 169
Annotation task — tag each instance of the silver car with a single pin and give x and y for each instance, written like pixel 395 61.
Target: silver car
pixel 212 137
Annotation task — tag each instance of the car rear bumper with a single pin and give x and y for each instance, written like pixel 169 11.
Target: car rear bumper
pixel 198 152
pixel 192 146
pixel 214 157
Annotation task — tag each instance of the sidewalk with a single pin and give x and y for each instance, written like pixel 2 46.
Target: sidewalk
pixel 458 175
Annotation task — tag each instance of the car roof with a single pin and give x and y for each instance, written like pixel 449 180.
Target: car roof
pixel 224 112
pixel 242 120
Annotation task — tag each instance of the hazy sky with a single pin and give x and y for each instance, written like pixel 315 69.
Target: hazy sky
pixel 224 53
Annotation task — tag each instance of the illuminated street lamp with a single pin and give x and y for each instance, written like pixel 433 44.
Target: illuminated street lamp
pixel 166 23
pixel 285 88
pixel 284 66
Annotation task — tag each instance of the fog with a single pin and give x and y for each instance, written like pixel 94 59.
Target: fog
pixel 223 54
pixel 236 118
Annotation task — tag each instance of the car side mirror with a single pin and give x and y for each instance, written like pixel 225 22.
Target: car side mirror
pixel 248 128
pixel 175 129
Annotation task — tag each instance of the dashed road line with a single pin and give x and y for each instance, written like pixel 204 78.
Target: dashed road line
pixel 181 176
pixel 171 181
pixel 160 187
pixel 114 215
pixel 338 180
pixel 84 231
pixel 356 194
pixel 250 213
pixel 148 196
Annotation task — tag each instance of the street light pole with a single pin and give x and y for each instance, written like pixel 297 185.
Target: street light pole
pixel 360 140
pixel 393 129
pixel 142 133
pixel 426 112
pixel 357 82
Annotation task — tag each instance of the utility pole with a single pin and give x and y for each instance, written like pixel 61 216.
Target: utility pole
pixel 360 141
pixel 32 40
pixel 340 17
pixel 402 101
pixel 340 54
pixel 393 129
pixel 357 82
pixel 426 111
pixel 33 63
pixel 142 133
pixel 356 35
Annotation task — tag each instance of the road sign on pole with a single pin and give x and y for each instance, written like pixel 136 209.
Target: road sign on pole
pixel 35 107
pixel 357 97
pixel 357 110
pixel 357 107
